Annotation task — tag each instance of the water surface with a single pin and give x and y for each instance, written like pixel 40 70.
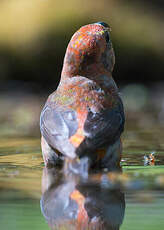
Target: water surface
pixel 142 185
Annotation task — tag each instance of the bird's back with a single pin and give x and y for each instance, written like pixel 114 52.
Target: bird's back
pixel 79 112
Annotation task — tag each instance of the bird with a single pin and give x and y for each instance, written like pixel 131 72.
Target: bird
pixel 84 117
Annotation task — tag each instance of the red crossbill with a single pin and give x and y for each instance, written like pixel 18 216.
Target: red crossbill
pixel 85 116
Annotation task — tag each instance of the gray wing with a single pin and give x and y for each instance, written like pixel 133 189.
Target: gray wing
pixel 57 127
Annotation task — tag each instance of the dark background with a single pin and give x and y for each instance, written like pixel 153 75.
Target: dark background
pixel 33 38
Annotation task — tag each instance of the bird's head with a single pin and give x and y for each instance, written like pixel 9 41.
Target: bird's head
pixel 89 52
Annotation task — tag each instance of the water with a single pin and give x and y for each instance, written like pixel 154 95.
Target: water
pixel 23 181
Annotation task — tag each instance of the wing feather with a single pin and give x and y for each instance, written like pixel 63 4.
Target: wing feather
pixel 56 127
pixel 103 128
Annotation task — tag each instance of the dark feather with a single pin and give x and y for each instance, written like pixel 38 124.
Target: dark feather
pixel 103 128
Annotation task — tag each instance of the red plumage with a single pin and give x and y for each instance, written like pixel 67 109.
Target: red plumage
pixel 84 116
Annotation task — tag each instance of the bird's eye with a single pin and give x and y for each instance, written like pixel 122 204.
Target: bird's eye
pixel 107 37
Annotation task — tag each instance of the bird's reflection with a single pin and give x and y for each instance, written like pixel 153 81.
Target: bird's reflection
pixel 72 202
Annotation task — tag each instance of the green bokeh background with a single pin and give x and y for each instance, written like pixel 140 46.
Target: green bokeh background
pixel 34 35
pixel 33 38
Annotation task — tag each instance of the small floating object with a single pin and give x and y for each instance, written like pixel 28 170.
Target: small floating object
pixel 150 159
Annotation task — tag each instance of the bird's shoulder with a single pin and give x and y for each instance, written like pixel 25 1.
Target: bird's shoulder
pixel 81 92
